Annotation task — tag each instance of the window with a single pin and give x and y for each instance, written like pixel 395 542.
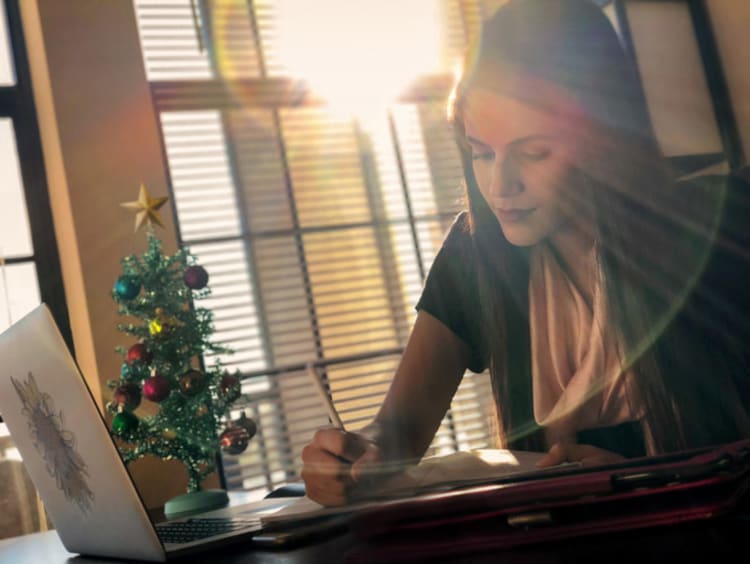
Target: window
pixel 318 210
pixel 682 79
pixel 29 263
pixel 7 73
pixel 316 217
pixel 18 278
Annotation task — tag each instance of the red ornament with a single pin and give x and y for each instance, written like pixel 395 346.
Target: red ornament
pixel 230 387
pixel 156 388
pixel 139 353
pixel 195 277
pixel 248 424
pixel 192 383
pixel 234 440
pixel 127 395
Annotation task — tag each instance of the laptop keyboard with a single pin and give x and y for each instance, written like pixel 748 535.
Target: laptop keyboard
pixel 201 528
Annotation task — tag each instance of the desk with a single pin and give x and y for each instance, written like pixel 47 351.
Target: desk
pixel 46 548
pixel 724 540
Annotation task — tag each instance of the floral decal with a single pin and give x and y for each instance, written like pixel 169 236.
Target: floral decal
pixel 54 443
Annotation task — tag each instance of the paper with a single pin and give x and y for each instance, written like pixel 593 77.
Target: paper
pixel 432 474
pixel 305 508
pixel 461 468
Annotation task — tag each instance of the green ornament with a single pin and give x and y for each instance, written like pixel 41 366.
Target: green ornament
pixel 127 287
pixel 124 423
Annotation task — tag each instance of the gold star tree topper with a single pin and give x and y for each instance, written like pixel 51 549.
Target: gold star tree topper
pixel 146 208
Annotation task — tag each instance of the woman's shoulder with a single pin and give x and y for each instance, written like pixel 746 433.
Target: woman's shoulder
pixel 459 233
pixel 457 247
pixel 450 291
pixel 707 192
pixel 723 203
pixel 714 208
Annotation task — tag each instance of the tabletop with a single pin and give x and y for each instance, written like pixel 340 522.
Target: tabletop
pixel 718 540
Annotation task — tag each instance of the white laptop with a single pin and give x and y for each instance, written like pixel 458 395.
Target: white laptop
pixel 75 465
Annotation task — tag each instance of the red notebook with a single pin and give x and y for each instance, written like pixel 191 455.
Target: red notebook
pixel 643 492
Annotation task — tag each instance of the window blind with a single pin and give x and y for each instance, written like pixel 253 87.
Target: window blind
pixel 317 230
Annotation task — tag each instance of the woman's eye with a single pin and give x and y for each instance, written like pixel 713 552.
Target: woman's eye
pixel 536 154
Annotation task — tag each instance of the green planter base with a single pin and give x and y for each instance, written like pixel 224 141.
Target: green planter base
pixel 196 502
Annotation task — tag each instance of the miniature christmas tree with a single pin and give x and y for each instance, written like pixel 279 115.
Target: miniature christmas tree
pixel 189 402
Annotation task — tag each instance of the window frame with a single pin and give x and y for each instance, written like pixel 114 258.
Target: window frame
pixel 17 103
pixel 718 89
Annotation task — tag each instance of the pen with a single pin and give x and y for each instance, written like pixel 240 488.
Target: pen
pixel 333 415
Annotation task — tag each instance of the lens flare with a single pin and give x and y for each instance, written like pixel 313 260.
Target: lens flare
pixel 357 55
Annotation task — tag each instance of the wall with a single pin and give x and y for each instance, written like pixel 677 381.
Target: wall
pixel 731 22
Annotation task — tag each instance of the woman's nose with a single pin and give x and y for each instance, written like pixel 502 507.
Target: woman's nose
pixel 505 181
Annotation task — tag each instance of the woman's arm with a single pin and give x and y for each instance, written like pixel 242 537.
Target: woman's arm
pixel 430 370
pixel 427 377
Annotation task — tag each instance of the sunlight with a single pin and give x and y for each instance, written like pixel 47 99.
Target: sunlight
pixel 492 456
pixel 359 55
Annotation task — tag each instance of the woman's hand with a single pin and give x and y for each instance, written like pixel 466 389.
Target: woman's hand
pixel 335 462
pixel 585 454
pixel 337 466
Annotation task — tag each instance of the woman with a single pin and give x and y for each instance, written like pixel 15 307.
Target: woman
pixel 606 299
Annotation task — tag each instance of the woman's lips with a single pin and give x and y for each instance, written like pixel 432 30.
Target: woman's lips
pixel 513 216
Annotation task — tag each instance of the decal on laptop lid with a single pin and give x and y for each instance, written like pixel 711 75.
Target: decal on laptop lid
pixel 54 443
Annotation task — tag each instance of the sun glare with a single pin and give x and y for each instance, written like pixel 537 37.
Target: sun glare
pixel 359 54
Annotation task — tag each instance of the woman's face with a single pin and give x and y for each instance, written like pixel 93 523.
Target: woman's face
pixel 523 159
